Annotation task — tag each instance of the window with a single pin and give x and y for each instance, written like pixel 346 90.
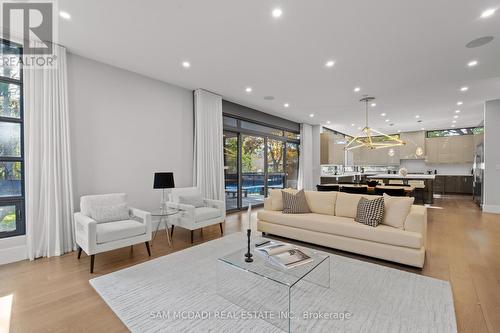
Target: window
pixel 455 132
pixel 11 145
pixel 257 158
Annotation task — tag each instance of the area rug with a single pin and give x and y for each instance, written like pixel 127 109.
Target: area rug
pixel 177 293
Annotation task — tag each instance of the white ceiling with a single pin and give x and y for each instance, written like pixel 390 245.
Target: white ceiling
pixel 410 54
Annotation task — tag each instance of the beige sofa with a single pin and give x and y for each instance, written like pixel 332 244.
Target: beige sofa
pixel 401 238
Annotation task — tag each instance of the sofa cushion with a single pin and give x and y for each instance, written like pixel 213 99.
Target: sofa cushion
pixel 343 226
pixel 347 204
pixel 321 202
pixel 110 213
pixel 206 213
pixel 295 203
pixel 396 210
pixel 370 212
pixel 113 231
pixel 277 198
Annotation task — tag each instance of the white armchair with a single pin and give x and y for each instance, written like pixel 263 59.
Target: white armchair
pixel 96 237
pixel 191 217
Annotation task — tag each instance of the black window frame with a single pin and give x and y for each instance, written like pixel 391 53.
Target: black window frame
pixel 17 201
pixel 240 131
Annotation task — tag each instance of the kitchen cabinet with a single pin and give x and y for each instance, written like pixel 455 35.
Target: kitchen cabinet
pixel 453 184
pixel 332 148
pixel 367 156
pixel 413 140
pixel 452 149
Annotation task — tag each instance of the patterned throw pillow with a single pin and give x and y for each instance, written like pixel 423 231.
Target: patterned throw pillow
pixel 295 203
pixel 370 212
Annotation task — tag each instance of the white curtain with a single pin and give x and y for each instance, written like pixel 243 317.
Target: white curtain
pixel 306 164
pixel 49 193
pixel 208 145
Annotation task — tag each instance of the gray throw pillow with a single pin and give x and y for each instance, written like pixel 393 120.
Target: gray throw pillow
pixel 111 213
pixel 295 203
pixel 192 200
pixel 370 212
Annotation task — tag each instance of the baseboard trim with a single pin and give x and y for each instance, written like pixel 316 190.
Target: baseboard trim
pixel 12 254
pixel 494 209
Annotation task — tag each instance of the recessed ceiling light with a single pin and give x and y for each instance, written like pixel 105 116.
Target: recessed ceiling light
pixel 248 89
pixel 399 131
pixel 460 103
pixel 330 63
pixel 65 15
pixel 277 12
pixel 328 121
pixel 422 129
pixel 454 121
pixel 357 89
pixel 353 125
pixel 455 116
pixel 373 105
pixel 488 12
pixel 383 114
pixel 453 126
pixel 417 116
pixel 387 120
pixel 463 89
pixel 186 64
pixel 472 63
pixel 286 105
pixel 311 115
pixel 457 111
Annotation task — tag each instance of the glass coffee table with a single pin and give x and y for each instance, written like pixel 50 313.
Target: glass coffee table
pixel 267 291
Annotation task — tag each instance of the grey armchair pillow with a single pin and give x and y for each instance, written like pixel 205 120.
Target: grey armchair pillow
pixel 110 213
pixel 193 200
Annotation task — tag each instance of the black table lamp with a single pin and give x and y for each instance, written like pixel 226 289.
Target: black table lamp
pixel 163 180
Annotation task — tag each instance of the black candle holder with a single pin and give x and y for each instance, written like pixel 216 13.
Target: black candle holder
pixel 248 255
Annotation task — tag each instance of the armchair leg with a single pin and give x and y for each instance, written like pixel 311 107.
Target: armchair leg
pixel 147 247
pixel 79 252
pixel 172 230
pixel 192 236
pixel 221 231
pixel 92 257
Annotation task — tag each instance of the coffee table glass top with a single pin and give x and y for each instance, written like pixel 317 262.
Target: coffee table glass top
pixel 263 267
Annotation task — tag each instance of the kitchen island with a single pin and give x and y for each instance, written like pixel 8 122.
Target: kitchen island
pixel 428 181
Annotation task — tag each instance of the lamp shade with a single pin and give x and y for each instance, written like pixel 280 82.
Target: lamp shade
pixel 164 180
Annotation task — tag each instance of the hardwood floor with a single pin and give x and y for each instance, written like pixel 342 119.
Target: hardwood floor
pixel 53 295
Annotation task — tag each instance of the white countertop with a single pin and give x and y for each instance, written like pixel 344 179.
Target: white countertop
pixel 350 174
pixel 409 176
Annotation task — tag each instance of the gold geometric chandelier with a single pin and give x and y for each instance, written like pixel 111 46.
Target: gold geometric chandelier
pixel 371 138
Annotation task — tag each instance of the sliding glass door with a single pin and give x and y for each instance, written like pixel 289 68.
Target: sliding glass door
pixel 275 163
pixel 253 187
pixel 231 170
pixel 257 158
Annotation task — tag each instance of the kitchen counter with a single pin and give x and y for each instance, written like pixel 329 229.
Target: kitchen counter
pixel 349 174
pixel 410 176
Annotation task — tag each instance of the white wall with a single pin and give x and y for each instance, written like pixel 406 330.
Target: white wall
pixel 124 127
pixel 491 157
